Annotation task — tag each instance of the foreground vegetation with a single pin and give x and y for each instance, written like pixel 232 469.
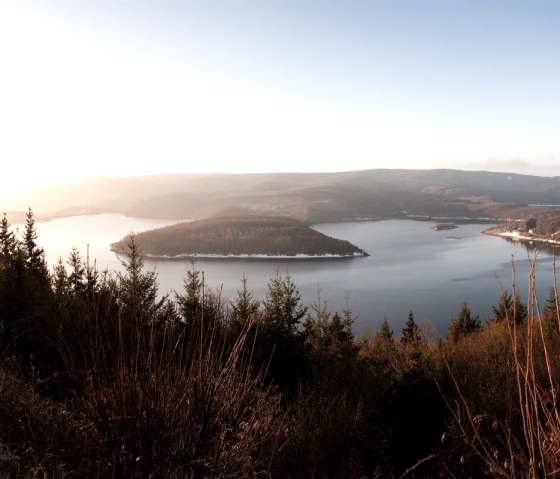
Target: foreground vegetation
pixel 101 377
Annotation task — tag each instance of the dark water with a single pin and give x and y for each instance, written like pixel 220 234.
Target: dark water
pixel 410 267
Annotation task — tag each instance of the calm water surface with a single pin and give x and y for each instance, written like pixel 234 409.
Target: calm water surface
pixel 410 266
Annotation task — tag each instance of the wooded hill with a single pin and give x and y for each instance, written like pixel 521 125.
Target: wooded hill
pixel 241 235
pixel 309 197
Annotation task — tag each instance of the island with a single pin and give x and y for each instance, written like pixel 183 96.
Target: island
pixel 238 237
pixel 443 226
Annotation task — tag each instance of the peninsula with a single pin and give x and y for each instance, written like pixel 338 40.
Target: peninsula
pixel 540 230
pixel 240 236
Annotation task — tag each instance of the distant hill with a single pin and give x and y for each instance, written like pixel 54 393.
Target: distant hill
pixel 311 197
pixel 235 236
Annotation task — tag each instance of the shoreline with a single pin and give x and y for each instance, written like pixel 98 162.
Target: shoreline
pixel 258 256
pixel 518 236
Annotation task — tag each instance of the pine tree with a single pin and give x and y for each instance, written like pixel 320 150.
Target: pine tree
pixel 509 308
pixel 550 315
pixel 283 310
pixel 76 279
pixel 91 278
pixel 281 340
pixel 7 242
pixel 341 336
pixel 138 290
pixel 316 325
pixel 411 332
pixel 243 308
pixel 385 333
pixel 347 315
pixel 463 324
pixel 60 281
pixel 190 302
pixel 34 254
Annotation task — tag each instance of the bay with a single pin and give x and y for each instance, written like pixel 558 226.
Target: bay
pixel 410 267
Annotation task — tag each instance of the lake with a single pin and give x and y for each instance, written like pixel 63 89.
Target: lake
pixel 410 267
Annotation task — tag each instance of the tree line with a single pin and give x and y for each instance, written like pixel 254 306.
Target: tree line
pixel 101 376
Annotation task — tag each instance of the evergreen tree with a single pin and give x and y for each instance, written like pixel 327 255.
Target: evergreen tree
pixel 282 340
pixel 549 316
pixel 60 281
pixel 509 308
pixel 34 254
pixel 244 308
pixel 76 279
pixel 347 316
pixel 283 310
pixel 411 332
pixel 200 308
pixel 91 278
pixel 190 302
pixel 341 336
pixel 138 290
pixel 463 324
pixel 328 334
pixel 7 242
pixel 316 325
pixel 385 334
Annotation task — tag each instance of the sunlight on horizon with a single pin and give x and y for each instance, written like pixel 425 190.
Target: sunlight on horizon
pixel 89 94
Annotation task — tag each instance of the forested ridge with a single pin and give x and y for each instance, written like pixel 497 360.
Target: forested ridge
pixel 309 197
pixel 102 377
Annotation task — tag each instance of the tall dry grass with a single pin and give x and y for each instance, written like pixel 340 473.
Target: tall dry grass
pixel 183 409
pixel 522 440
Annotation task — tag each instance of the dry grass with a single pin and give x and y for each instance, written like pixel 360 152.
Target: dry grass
pixel 522 440
pixel 179 407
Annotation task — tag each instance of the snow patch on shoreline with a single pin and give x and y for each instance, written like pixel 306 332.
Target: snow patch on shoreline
pixel 517 235
pixel 255 256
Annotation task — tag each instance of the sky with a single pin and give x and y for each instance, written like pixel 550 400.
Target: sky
pixel 118 88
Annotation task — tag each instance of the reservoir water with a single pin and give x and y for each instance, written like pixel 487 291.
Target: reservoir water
pixel 410 267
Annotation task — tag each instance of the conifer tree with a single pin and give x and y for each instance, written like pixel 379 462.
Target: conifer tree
pixel 509 308
pixel 463 324
pixel 244 307
pixel 138 290
pixel 385 334
pixel 341 336
pixel 316 325
pixel 190 302
pixel 348 316
pixel 328 333
pixel 76 279
pixel 550 315
pixel 34 254
pixel 283 310
pixel 282 338
pixel 7 242
pixel 91 278
pixel 61 283
pixel 411 332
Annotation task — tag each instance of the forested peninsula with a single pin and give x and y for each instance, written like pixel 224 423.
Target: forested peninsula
pixel 240 236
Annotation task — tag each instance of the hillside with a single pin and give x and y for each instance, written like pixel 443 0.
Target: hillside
pixel 239 236
pixel 309 197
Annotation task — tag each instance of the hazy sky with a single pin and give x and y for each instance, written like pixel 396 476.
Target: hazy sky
pixel 138 87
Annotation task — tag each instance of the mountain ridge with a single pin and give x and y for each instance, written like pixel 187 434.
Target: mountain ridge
pixel 311 197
